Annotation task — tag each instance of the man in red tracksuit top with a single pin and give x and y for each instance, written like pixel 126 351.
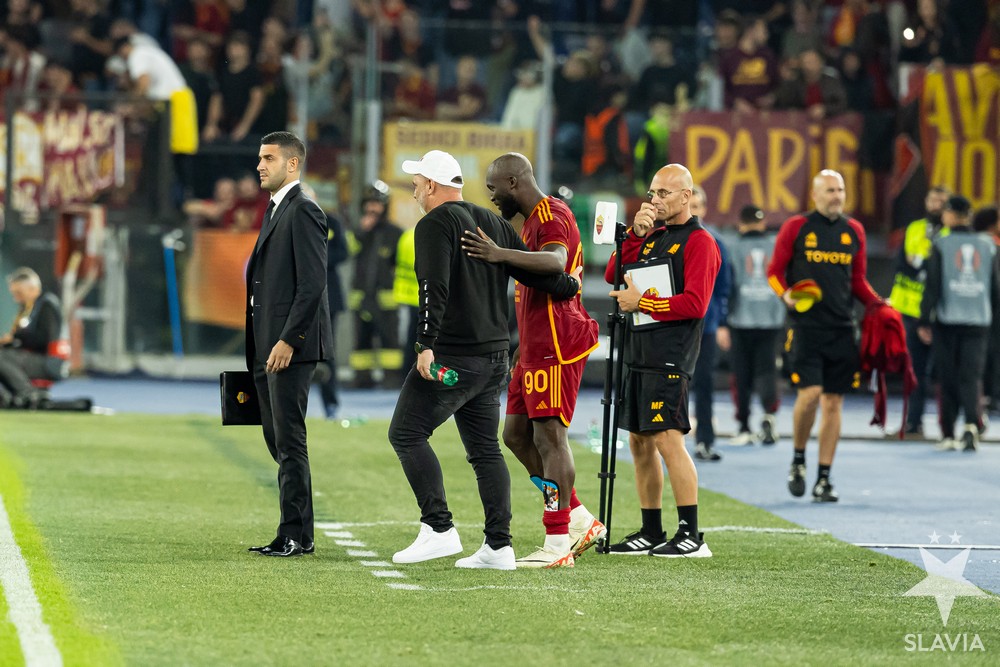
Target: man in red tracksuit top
pixel 660 356
pixel 828 247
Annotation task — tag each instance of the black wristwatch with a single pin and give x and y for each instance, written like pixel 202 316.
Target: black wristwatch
pixel 420 347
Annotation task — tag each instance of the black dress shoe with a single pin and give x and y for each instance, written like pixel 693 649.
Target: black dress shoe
pixel 309 548
pixel 275 543
pixel 285 548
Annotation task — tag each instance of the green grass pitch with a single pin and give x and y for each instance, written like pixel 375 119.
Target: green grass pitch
pixel 135 531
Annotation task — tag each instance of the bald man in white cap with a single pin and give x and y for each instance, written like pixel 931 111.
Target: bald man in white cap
pixel 462 326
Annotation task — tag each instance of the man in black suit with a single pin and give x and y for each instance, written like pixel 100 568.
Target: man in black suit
pixel 287 330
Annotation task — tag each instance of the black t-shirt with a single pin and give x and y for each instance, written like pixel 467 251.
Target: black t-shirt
pixel 203 85
pixel 235 88
pixel 659 84
pixel 86 60
pixel 463 301
pixel 40 327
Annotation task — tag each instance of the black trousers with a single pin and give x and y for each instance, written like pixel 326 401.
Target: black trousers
pixel 330 390
pixel 283 400
pixel 702 385
pixel 474 400
pixel 922 360
pixel 991 374
pixel 18 367
pixel 960 356
pixel 755 368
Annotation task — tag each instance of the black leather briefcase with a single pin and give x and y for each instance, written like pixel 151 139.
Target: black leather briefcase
pixel 239 399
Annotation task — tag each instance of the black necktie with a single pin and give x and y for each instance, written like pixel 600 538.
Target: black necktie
pixel 268 212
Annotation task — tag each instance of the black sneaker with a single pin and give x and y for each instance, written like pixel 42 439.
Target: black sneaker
pixel 683 545
pixel 705 452
pixel 767 430
pixel 636 544
pixel 797 480
pixel 970 439
pixel 823 492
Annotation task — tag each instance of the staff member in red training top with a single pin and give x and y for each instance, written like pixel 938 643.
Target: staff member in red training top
pixel 828 247
pixel 556 339
pixel 660 358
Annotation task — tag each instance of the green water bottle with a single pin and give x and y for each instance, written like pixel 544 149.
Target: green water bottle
pixel 444 374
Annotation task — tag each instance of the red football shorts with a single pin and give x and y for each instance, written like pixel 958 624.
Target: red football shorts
pixel 545 391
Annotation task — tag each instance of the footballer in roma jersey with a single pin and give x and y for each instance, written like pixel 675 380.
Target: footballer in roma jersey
pixel 556 339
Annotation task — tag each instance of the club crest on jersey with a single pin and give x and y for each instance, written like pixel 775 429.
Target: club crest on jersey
pixel 649 248
pixel 845 239
pixel 811 240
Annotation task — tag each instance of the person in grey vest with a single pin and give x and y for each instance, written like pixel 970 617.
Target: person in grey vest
pixel 963 289
pixel 756 318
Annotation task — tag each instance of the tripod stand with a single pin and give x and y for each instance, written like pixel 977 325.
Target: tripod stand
pixel 612 378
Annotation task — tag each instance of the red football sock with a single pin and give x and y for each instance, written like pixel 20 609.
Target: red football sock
pixel 574 502
pixel 556 521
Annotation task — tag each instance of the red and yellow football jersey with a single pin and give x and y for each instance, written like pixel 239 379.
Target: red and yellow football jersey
pixel 553 331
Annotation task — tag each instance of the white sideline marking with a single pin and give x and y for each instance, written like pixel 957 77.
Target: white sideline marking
pixel 328 525
pixel 360 553
pixel 758 529
pixel 395 574
pixel 349 543
pixel 376 563
pixel 25 613
pixel 339 533
pixel 982 547
pixel 405 587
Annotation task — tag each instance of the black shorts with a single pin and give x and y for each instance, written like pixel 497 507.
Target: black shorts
pixel 653 401
pixel 827 357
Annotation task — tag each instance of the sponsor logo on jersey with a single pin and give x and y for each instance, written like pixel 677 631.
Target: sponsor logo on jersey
pixel 845 239
pixel 674 248
pixel 657 418
pixel 541 406
pixel 811 240
pixel 828 257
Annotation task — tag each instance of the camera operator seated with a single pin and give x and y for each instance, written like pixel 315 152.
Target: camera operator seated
pixel 32 350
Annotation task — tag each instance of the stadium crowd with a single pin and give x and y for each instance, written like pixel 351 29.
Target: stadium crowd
pixel 620 70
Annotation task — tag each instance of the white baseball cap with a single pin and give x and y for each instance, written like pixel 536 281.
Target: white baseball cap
pixel 438 166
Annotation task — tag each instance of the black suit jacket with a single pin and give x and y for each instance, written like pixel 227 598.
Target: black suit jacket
pixel 286 276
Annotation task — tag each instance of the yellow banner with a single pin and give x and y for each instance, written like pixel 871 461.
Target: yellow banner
pixel 474 145
pixel 215 279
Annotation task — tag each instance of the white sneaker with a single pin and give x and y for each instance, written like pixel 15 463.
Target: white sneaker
pixel 946 445
pixel 488 558
pixel 546 557
pixel 430 545
pixel 742 439
pixel 584 530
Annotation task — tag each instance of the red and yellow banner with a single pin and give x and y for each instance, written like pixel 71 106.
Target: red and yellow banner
pixel 769 159
pixel 960 130
pixel 61 157
pixel 215 279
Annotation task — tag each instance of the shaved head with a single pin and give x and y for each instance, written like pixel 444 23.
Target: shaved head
pixel 512 164
pixel 829 193
pixel 670 192
pixel 677 175
pixel 511 182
